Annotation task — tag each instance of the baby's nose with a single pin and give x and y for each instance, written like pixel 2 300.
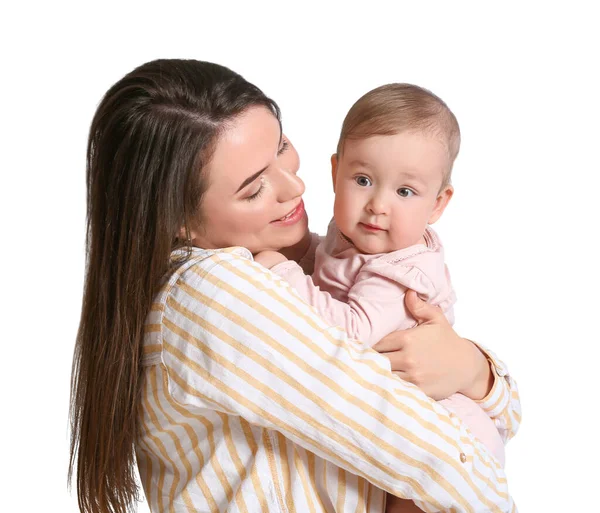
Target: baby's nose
pixel 377 206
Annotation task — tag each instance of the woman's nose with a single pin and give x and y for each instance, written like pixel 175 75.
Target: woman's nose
pixel 290 185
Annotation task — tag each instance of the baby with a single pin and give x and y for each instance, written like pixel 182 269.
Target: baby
pixel 391 177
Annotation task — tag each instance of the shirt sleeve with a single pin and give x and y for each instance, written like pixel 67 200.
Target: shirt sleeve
pixel 502 404
pixel 239 340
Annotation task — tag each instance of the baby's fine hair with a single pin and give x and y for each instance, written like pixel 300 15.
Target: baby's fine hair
pixel 394 108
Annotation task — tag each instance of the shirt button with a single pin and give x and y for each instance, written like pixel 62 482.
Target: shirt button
pixel 463 457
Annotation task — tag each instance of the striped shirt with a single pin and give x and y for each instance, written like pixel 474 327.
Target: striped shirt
pixel 252 403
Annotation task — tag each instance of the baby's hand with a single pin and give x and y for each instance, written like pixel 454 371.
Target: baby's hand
pixel 269 259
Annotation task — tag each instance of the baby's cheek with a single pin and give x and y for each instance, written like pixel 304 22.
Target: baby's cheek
pixel 340 212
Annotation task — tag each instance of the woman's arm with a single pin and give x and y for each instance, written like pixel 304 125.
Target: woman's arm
pixel 245 344
pixel 438 361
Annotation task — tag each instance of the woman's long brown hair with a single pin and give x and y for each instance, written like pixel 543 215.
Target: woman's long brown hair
pixel 149 141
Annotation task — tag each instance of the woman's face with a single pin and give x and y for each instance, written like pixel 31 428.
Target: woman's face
pixel 253 198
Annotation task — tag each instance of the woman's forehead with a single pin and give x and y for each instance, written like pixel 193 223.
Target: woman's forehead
pixel 248 144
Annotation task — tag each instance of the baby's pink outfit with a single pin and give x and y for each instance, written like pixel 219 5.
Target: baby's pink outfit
pixel 364 294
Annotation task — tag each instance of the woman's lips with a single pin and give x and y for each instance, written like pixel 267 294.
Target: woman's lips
pixel 293 216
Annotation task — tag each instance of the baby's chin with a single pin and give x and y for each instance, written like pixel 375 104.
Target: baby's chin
pixel 371 247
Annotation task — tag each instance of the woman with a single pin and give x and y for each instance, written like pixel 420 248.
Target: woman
pixel 233 394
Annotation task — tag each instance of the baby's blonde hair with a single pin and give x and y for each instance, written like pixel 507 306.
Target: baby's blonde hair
pixel 394 108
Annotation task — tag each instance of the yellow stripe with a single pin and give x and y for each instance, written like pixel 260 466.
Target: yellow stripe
pixel 517 416
pixel 161 465
pixel 214 508
pixel 285 470
pixel 273 468
pixel 360 503
pixel 247 430
pixel 237 462
pixel 214 459
pixel 499 400
pixel 304 391
pixel 312 475
pixel 509 424
pixel 241 399
pixel 182 456
pixel 485 480
pixel 497 466
pixel 161 479
pixel 162 448
pixel 148 476
pixel 152 348
pixel 152 328
pixel 301 471
pixel 341 491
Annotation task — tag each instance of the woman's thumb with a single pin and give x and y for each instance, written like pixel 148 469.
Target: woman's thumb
pixel 419 309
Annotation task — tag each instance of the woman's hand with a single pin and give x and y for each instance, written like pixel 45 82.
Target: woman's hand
pixel 434 357
pixel 269 259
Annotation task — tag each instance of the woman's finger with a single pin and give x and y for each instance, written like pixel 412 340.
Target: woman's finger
pixel 423 312
pixel 398 361
pixel 392 342
pixel 401 374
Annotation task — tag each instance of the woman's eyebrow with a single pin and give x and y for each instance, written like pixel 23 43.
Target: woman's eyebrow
pixel 250 179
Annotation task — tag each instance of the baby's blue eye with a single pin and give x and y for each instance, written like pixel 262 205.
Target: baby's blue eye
pixel 404 192
pixel 363 181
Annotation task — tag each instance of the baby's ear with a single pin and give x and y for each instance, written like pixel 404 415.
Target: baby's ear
pixel 334 165
pixel 441 202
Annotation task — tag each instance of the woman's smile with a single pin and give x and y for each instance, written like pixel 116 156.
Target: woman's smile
pixel 292 217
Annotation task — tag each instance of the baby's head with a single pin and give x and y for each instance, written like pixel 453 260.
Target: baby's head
pixel 391 172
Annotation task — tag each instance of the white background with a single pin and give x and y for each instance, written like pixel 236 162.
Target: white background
pixel 521 232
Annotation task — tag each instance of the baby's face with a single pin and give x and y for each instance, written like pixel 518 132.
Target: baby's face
pixel 387 189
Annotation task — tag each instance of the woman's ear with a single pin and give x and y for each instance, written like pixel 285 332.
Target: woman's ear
pixel 334 164
pixel 186 234
pixel 441 202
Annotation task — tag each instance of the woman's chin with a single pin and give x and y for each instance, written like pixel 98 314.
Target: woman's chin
pixel 283 239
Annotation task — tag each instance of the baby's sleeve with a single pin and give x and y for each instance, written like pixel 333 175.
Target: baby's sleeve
pixel 377 298
pixel 375 304
pixel 332 311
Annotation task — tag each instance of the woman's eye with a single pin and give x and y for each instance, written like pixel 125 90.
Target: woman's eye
pixel 363 181
pixel 404 192
pixel 284 146
pixel 259 191
pixel 256 194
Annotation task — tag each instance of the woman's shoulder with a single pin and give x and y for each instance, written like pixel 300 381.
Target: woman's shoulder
pixel 191 267
pixel 189 288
